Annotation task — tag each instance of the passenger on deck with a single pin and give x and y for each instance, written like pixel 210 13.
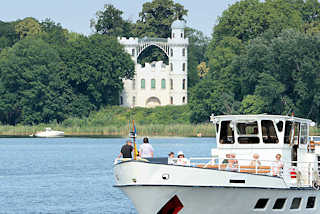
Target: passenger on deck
pixel 255 162
pixel 233 163
pixel 171 159
pixel 277 166
pixel 226 161
pixel 126 150
pixel 146 150
pixel 181 159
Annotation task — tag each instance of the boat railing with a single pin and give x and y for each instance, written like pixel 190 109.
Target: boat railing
pixel 294 173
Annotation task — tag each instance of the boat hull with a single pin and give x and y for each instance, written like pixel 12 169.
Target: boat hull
pixel 153 187
pixel 217 200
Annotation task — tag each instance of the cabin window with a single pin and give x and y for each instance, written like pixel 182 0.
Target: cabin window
pixel 295 203
pixel 261 203
pixel 287 132
pixel 269 134
pixel 311 202
pixel 226 133
pixel 280 126
pixel 304 133
pixel 296 133
pixel 278 205
pixel 248 132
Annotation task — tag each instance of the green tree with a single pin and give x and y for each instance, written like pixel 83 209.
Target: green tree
pixel 31 88
pixel 252 104
pixel 8 35
pixel 156 18
pixel 53 33
pixel 95 67
pixel 197 48
pixel 109 22
pixel 208 97
pixel 28 27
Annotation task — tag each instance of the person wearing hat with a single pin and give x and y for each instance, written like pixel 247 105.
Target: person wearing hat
pixel 146 150
pixel 181 159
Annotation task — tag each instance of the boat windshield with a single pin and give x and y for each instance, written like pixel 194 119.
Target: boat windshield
pixel 248 132
pixel 226 133
pixel 269 134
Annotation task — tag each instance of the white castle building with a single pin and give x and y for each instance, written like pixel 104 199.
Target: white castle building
pixel 158 84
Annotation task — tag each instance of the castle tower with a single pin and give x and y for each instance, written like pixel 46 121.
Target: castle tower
pixel 158 84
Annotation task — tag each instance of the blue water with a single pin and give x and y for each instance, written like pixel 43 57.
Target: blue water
pixel 72 175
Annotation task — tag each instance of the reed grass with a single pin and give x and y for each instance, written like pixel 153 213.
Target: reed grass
pixel 179 130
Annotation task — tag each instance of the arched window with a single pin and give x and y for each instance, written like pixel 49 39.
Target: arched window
pixel 171 100
pixel 171 84
pixel 163 83
pixel 171 66
pixel 133 52
pixel 121 100
pixel 183 84
pixel 133 84
pixel 133 100
pixel 153 83
pixel 171 52
pixel 183 52
pixel 183 99
pixel 143 83
pixel 183 66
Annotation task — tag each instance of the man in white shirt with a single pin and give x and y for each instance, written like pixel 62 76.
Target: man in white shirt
pixel 146 150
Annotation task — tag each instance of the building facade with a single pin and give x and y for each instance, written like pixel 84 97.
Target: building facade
pixel 156 83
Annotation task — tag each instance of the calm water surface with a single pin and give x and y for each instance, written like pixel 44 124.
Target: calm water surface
pixel 72 175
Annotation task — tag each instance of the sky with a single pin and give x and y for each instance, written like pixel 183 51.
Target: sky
pixel 75 15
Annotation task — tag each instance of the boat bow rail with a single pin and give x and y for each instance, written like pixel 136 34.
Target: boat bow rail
pixel 295 174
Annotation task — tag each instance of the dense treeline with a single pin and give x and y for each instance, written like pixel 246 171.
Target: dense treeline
pixel 263 57
pixel 48 73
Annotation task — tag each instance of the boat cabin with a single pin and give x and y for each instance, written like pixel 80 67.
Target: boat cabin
pixel 264 136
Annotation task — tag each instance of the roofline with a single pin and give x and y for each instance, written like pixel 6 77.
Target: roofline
pixel 261 116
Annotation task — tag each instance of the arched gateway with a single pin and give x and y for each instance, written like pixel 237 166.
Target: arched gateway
pixel 152 80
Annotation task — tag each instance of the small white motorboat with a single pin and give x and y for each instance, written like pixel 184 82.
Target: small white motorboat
pixel 49 133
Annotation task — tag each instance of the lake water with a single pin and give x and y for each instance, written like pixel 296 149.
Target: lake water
pixel 72 175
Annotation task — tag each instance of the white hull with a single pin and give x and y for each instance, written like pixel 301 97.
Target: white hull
pixel 49 134
pixel 216 200
pixel 206 191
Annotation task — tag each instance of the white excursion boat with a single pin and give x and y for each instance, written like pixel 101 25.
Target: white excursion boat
pixel 49 133
pixel 237 184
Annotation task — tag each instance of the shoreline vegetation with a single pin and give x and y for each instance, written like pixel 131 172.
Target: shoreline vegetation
pixel 175 130
pixel 113 121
